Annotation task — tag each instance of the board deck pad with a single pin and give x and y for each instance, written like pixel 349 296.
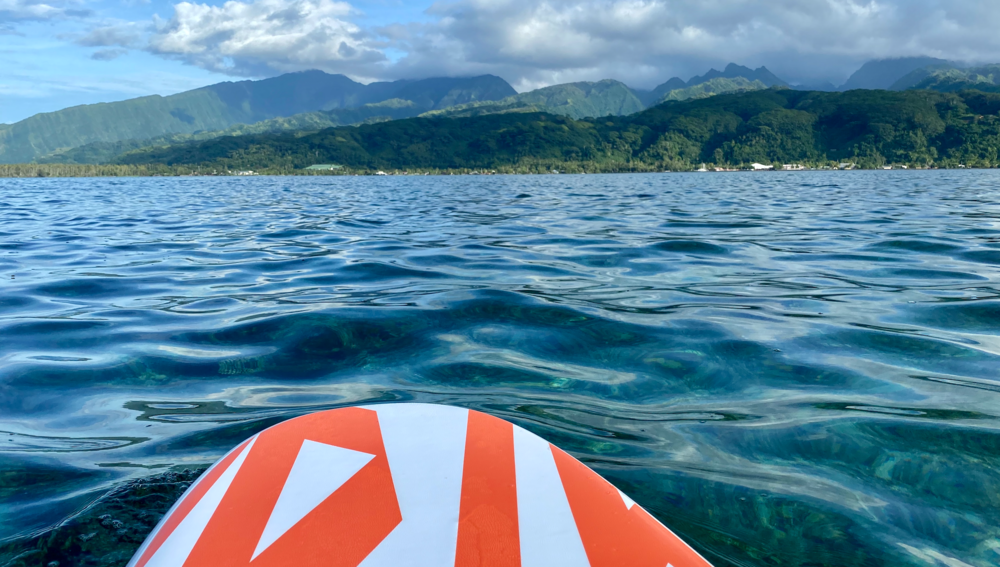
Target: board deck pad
pixel 406 485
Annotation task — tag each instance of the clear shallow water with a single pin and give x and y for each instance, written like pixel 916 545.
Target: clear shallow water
pixel 793 369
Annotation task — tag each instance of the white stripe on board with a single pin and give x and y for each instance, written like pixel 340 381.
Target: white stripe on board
pixel 425 445
pixel 549 536
pixel 178 545
pixel 152 535
pixel 318 471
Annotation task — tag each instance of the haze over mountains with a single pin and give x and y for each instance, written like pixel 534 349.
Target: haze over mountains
pixel 314 100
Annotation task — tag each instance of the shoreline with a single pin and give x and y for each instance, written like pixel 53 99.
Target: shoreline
pixel 29 171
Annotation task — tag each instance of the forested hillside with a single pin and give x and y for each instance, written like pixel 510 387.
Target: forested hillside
pixel 576 100
pixel 224 105
pixel 871 128
pixel 304 104
pixel 883 73
pixel 104 152
pixel 612 98
pixel 734 78
pixel 733 71
pixel 443 97
pixel 712 87
pixel 944 78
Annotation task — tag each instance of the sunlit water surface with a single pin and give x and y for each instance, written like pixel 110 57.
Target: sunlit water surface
pixel 787 369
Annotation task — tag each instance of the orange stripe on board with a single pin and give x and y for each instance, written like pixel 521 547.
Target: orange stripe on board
pixel 175 517
pixel 614 534
pixel 340 532
pixel 487 525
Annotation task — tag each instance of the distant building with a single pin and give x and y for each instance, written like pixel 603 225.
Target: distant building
pixel 793 167
pixel 846 166
pixel 761 167
pixel 324 167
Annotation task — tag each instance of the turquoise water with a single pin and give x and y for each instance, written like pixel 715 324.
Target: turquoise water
pixel 787 369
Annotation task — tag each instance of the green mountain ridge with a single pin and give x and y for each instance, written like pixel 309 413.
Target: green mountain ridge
pixel 596 99
pixel 872 128
pixel 576 100
pixel 711 87
pixel 311 101
pixel 209 108
pixel 733 71
pixel 946 78
pixel 650 98
pixel 103 152
pixel 913 78
pixel 883 73
pixel 221 106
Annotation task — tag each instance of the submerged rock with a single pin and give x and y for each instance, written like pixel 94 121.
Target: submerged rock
pixel 108 533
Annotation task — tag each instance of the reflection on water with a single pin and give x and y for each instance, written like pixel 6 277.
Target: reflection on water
pixel 793 369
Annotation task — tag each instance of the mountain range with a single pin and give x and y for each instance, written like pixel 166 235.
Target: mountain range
pixel 97 133
pixel 224 105
pixel 870 128
pixel 314 100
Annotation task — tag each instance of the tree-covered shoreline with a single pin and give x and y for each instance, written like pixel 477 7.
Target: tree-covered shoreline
pixel 43 171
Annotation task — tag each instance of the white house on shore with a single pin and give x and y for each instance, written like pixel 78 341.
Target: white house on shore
pixel 761 167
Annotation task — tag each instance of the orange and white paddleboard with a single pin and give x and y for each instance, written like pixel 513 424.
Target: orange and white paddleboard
pixel 406 485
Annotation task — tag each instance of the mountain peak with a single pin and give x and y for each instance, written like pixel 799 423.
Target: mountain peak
pixel 650 98
pixel 883 73
pixel 734 71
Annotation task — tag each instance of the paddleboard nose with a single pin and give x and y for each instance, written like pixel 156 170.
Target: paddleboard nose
pixel 406 485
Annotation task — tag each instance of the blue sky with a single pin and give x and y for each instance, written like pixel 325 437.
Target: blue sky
pixel 60 53
pixel 45 70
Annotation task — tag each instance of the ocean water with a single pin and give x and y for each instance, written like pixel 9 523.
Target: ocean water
pixel 786 369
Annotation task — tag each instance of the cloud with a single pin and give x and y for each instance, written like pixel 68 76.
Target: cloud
pixel 108 54
pixel 533 43
pixel 38 11
pixel 537 42
pixel 119 34
pixel 262 37
pixel 27 10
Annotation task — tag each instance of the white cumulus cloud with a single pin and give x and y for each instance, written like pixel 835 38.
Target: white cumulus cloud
pixel 261 37
pixel 538 42
pixel 533 43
